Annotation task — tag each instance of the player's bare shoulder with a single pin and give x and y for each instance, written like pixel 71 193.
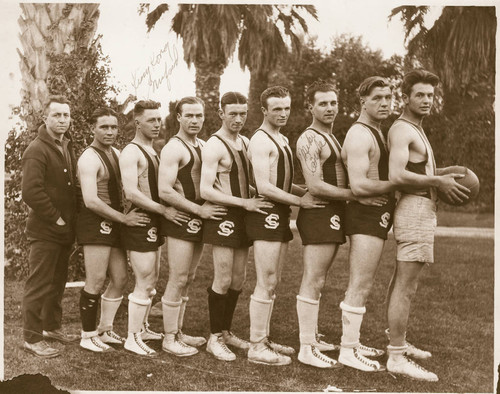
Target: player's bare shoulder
pixel 89 160
pixel 357 136
pixel 402 132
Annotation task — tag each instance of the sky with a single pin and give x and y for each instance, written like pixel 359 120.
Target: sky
pixel 150 65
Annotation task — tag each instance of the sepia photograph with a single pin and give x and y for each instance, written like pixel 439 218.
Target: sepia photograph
pixel 249 196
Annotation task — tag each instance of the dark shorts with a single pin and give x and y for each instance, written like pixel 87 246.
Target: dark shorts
pixel 322 225
pixel 190 231
pixel 143 239
pixel 230 231
pixel 368 220
pixel 92 229
pixel 275 226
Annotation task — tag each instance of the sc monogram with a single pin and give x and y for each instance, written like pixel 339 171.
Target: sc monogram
pixel 384 219
pixel 106 227
pixel 226 228
pixel 194 226
pixel 272 221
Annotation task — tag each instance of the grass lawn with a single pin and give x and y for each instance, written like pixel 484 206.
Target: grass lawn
pixel 452 316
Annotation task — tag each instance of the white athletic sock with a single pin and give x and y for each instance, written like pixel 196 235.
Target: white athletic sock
pixel 109 307
pixel 171 311
pixel 260 313
pixel 396 353
pixel 268 324
pixel 137 309
pixel 352 317
pixel 307 312
pixel 182 312
pixel 151 296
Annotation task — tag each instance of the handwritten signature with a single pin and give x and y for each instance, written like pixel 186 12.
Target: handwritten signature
pixel 164 60
pixel 311 157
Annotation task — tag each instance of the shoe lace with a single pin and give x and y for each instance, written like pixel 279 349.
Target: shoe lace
pixel 316 353
pixel 364 360
pixel 410 361
pixel 141 344
pixel 97 342
pixel 114 335
pixel 178 339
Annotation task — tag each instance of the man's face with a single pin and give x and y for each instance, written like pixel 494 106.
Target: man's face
pixel 191 118
pixel 234 117
pixel 278 110
pixel 325 107
pixel 377 104
pixel 105 130
pixel 58 118
pixel 420 100
pixel 149 123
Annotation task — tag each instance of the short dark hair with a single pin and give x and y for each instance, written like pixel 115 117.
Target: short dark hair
pixel 232 98
pixel 143 105
pixel 418 76
pixel 188 100
pixel 366 87
pixel 319 86
pixel 273 91
pixel 60 99
pixel 102 111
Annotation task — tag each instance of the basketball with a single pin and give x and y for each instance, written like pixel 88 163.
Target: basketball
pixel 470 181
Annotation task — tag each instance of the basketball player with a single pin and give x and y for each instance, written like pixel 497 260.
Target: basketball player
pixel 272 162
pixel 413 169
pixel 321 230
pixel 139 169
pixel 180 172
pixel 225 180
pixel 366 158
pixel 98 230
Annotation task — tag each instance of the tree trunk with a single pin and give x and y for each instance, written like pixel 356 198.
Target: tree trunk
pixel 49 29
pixel 208 89
pixel 258 83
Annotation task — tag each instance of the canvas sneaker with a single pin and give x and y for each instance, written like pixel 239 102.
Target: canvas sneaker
pixel 149 335
pixel 369 351
pixel 413 351
pixel 172 344
pixel 282 349
pixel 135 344
pixel 190 340
pixel 352 358
pixel 261 353
pixel 111 337
pixel 310 355
pixel 323 346
pixel 217 347
pixel 407 367
pixel 233 340
pixel 94 344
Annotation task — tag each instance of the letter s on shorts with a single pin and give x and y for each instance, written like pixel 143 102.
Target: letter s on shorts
pixel 272 221
pixel 152 236
pixel 226 228
pixel 194 226
pixel 106 227
pixel 335 222
pixel 384 219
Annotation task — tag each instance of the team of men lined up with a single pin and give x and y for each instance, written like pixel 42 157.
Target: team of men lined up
pixel 232 193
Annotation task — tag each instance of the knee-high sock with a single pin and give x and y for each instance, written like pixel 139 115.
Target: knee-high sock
pixel 260 314
pixel 109 307
pixel 268 324
pixel 317 329
pixel 216 310
pixel 231 301
pixel 137 309
pixel 182 312
pixel 88 310
pixel 307 312
pixel 151 296
pixel 352 317
pixel 171 312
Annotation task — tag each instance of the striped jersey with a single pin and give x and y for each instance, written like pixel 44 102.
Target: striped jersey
pixel 281 170
pixel 234 181
pixel 188 177
pixel 334 172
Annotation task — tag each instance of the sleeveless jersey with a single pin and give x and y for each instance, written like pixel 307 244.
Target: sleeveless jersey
pixel 334 172
pixel 425 167
pixel 281 171
pixel 188 177
pixel 148 179
pixel 236 180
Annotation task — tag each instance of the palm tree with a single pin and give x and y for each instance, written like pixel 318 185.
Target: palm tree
pixel 460 47
pixel 48 30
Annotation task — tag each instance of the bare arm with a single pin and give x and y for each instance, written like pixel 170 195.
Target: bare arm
pixel 309 147
pixel 88 169
pixel 357 150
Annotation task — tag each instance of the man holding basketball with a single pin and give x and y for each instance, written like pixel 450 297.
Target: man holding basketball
pixel 413 170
